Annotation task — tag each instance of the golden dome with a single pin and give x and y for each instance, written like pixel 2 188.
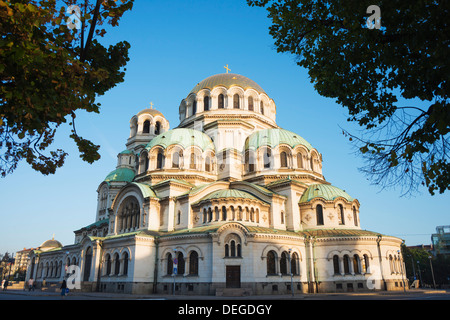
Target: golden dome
pixel 227 80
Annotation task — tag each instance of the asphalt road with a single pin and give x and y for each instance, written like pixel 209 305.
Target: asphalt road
pixel 424 295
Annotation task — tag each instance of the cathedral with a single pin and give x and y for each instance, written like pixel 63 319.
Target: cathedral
pixel 226 203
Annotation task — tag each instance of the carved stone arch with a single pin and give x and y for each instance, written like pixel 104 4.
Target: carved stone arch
pixel 127 194
pixel 127 250
pixel 141 123
pixel 144 161
pixel 333 253
pixel 391 252
pixel 215 93
pixel 253 94
pixel 277 155
pixel 173 159
pixel 191 248
pixel 269 248
pixel 232 227
pixel 133 126
pixel 182 110
pixel 191 101
pixel 316 201
pixel 315 161
pixel 196 154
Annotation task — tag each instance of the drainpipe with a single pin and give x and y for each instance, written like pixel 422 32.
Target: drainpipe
pixel 100 265
pixel 381 263
pixel 155 272
pixel 316 279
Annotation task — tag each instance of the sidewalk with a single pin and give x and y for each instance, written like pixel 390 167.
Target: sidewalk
pixel 122 296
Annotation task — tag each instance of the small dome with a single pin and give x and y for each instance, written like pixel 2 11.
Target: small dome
pixel 227 80
pixel 120 175
pixel 324 191
pixel 273 138
pixel 50 244
pixel 153 112
pixel 183 137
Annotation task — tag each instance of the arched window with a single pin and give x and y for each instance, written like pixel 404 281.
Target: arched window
pixel 283 160
pixel 250 103
pixel 236 102
pixel 261 105
pixel 233 248
pixel 146 128
pixel 210 214
pixel 224 213
pixel 193 263
pixel 267 158
pixel 366 264
pixel 169 264
pixel 294 263
pixel 181 263
pixel 205 216
pixel 250 161
pixel 299 161
pixel 116 264
pixel 337 268
pixel 341 214
pixel 108 264
pixel 160 160
pixel 319 215
pixel 87 264
pixel 271 259
pixel 208 164
pixel 176 159
pixel 221 101
pixel 346 264
pixel 356 264
pixel 284 263
pixel 125 263
pixel 158 128
pixel 128 214
pixel 194 107
pixel 206 103
pixel 355 216
pixel 193 162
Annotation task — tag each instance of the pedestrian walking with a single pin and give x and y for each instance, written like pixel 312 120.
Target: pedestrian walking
pixel 31 284
pixel 63 289
pixel 5 284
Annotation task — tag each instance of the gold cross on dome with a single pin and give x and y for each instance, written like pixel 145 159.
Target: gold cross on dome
pixel 151 105
pixel 228 69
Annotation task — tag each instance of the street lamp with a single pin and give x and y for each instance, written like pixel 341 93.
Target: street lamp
pixel 290 268
pixel 420 274
pixel 432 273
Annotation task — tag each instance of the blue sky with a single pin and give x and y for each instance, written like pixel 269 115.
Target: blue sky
pixel 174 45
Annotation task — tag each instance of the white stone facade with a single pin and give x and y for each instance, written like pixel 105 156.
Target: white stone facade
pixel 239 202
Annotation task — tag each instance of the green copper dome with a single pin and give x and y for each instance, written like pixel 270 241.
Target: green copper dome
pixel 183 137
pixel 325 191
pixel 229 194
pixel 273 138
pixel 227 80
pixel 121 175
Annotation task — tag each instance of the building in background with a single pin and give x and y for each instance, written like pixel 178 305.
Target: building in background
pixel 441 240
